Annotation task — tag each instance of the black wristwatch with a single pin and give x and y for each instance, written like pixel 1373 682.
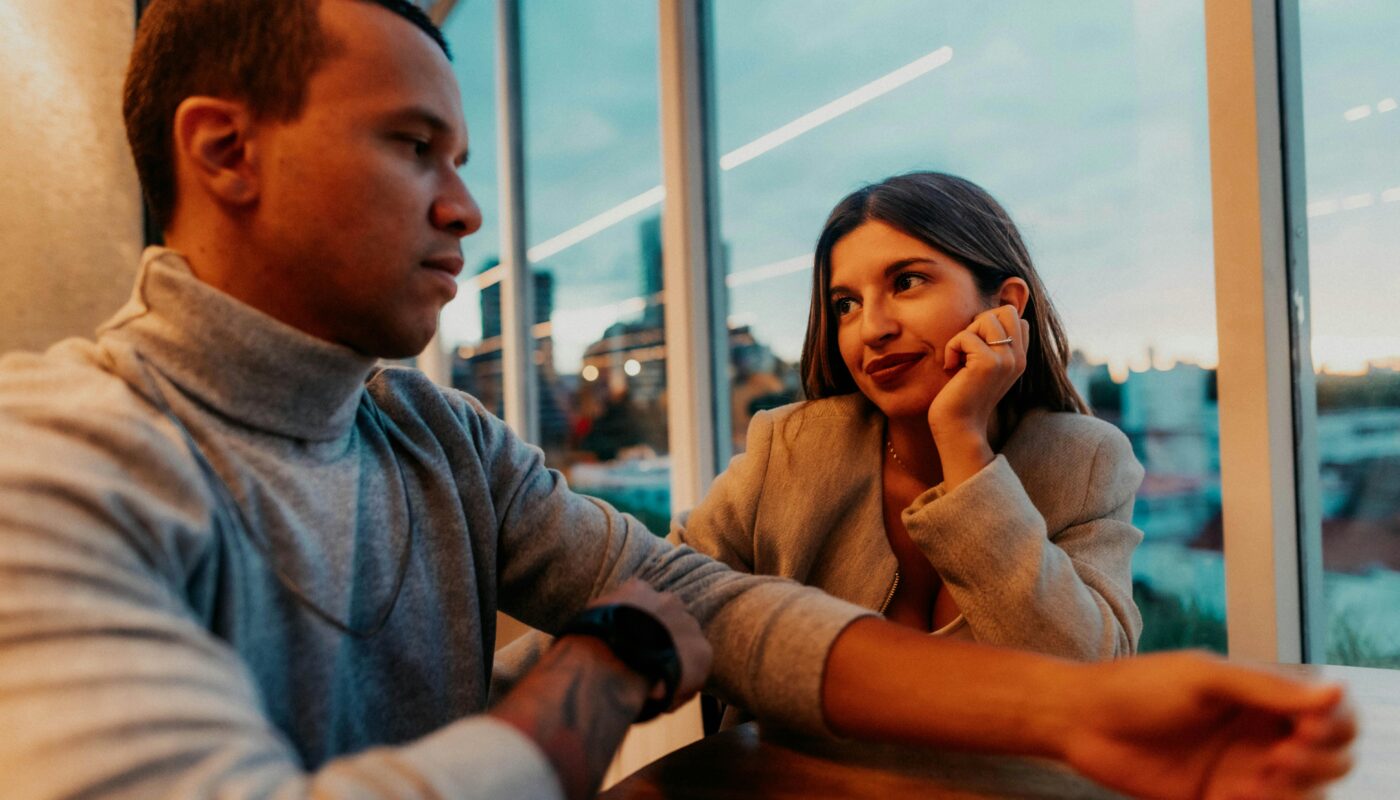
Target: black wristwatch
pixel 638 640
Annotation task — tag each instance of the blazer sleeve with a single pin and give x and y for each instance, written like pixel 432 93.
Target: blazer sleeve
pixel 1066 592
pixel 722 525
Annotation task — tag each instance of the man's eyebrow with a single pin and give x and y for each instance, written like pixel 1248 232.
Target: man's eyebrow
pixel 423 116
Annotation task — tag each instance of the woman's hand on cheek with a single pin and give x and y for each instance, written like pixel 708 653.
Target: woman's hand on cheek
pixel 984 361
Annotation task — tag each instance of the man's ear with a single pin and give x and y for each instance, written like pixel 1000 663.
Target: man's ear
pixel 213 139
pixel 1015 292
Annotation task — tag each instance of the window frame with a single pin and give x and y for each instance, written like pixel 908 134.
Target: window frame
pixel 1269 488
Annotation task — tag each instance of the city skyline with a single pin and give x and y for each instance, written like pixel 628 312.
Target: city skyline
pixel 1135 193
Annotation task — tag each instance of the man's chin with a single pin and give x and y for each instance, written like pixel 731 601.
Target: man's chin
pixel 396 345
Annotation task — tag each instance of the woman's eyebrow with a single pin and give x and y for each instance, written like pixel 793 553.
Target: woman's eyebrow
pixel 890 269
pixel 896 266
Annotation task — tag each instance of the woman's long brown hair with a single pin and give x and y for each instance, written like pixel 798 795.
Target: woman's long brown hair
pixel 959 218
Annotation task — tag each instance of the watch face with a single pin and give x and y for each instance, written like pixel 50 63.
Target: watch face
pixel 641 630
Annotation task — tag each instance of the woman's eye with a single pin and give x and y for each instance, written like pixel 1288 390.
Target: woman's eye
pixel 842 306
pixel 908 280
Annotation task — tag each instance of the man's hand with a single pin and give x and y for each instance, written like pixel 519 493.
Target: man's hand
pixel 577 703
pixel 1191 725
pixel 691 646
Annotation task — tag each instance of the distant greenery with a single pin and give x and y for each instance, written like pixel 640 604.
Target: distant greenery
pixel 657 520
pixel 1169 623
pixel 1350 646
pixel 1375 389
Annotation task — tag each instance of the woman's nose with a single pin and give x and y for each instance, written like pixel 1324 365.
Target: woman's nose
pixel 877 324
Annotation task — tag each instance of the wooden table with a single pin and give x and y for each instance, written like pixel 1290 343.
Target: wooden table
pixel 746 762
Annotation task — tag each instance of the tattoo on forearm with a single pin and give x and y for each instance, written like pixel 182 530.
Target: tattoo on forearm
pixel 578 710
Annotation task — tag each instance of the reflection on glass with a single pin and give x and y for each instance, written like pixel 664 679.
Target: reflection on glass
pixel 1089 123
pixel 1350 133
pixel 470 326
pixel 593 205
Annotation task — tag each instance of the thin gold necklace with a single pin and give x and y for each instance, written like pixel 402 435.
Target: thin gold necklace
pixel 889 445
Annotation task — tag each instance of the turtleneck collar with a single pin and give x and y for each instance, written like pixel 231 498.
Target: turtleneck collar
pixel 241 362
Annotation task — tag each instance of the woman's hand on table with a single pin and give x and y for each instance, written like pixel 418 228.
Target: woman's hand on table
pixel 1213 730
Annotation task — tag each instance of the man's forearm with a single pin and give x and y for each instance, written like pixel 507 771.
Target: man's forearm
pixel 576 704
pixel 889 683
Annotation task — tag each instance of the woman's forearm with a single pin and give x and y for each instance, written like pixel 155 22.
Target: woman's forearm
pixel 962 453
pixel 889 683
pixel 1173 725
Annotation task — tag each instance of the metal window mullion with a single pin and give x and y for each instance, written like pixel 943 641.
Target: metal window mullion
pixel 1257 443
pixel 689 296
pixel 1307 456
pixel 517 289
pixel 696 336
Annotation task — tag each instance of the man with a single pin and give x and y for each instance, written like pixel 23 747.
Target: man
pixel 239 560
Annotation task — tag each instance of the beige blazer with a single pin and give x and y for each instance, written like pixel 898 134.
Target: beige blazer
pixel 1035 548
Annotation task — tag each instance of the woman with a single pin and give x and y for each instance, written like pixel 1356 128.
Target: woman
pixel 943 470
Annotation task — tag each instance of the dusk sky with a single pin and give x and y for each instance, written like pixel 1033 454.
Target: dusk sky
pixel 1090 126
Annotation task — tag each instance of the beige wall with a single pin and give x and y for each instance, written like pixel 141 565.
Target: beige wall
pixel 70 213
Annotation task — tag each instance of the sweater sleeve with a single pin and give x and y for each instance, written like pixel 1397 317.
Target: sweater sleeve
pixel 558 550
pixel 108 684
pixel 1066 592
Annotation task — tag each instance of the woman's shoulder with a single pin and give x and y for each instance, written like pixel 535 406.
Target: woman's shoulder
pixel 1064 449
pixel 1068 443
pixel 1066 429
pixel 851 413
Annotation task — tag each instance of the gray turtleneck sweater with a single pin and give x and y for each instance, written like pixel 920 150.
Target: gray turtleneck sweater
pixel 237 561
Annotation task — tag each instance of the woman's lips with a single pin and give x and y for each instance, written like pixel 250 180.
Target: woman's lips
pixel 889 370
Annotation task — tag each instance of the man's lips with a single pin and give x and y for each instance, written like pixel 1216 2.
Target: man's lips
pixel 452 264
pixel 888 369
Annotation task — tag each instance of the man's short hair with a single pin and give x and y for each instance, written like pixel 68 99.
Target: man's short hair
pixel 257 52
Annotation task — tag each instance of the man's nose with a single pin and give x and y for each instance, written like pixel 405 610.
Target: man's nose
pixel 455 210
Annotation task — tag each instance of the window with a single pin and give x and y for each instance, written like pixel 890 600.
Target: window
pixel 1089 124
pixel 1348 67
pixel 593 204
pixel 470 326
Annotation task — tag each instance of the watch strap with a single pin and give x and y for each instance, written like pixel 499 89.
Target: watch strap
pixel 639 641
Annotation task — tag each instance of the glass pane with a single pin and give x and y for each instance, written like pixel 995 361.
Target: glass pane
pixel 593 205
pixel 1088 121
pixel 471 324
pixel 1351 128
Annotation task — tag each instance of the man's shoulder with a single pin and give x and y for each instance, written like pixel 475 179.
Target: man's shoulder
pixel 67 400
pixel 411 388
pixel 68 379
pixel 89 460
pixel 411 398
